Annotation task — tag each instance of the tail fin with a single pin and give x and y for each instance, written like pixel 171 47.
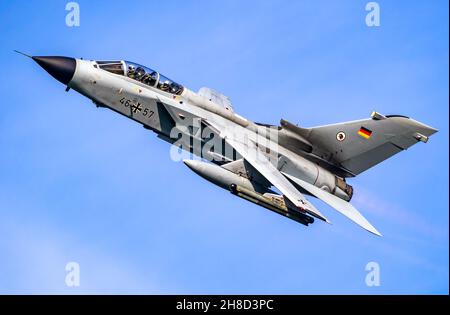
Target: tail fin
pixel 360 145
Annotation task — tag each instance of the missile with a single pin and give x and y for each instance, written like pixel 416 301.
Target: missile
pixel 246 189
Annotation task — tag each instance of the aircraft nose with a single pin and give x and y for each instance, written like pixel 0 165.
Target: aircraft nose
pixel 61 68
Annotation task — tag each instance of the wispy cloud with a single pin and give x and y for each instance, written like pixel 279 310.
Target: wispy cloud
pixel 375 205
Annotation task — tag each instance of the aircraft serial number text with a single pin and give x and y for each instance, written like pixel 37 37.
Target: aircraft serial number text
pixel 136 107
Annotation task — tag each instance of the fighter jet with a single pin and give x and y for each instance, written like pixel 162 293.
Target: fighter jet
pixel 273 166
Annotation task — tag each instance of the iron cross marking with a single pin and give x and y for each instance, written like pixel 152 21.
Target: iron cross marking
pixel 136 107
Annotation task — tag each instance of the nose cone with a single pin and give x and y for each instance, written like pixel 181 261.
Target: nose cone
pixel 61 68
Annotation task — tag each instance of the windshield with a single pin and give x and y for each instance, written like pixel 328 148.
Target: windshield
pixel 152 78
pixel 111 66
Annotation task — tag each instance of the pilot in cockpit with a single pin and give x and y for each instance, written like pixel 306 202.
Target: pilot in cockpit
pixel 131 72
pixel 139 73
pixel 150 78
pixel 164 86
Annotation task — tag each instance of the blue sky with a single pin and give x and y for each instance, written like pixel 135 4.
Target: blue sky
pixel 83 184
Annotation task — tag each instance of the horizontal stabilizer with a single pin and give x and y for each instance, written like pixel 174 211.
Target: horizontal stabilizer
pixel 337 203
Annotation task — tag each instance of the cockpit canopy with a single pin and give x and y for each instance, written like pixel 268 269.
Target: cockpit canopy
pixel 142 74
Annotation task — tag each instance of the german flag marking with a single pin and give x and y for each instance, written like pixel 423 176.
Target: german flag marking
pixel 365 133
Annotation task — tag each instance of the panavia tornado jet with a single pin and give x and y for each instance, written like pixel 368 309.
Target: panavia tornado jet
pixel 273 166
